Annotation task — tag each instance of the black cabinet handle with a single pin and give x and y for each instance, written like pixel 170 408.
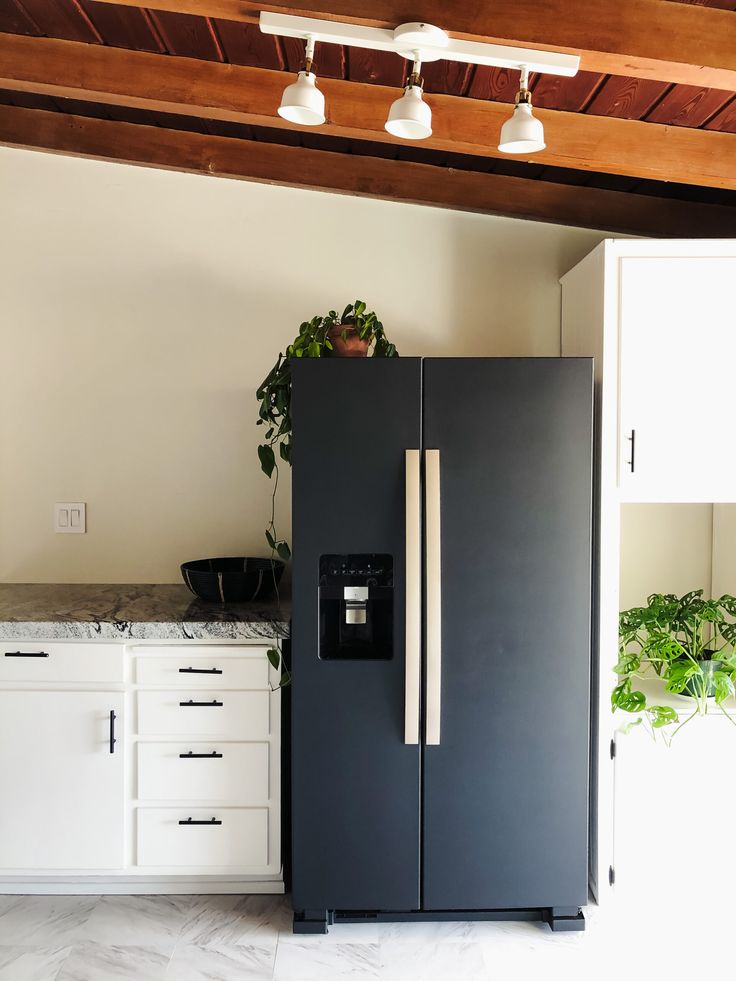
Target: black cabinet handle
pixel 113 740
pixel 200 756
pixel 632 440
pixel 190 704
pixel 190 822
pixel 26 654
pixel 200 670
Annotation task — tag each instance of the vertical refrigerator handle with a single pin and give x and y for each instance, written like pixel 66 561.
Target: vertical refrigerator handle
pixel 413 599
pixel 433 595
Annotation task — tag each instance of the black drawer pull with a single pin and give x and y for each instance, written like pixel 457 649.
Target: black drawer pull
pixel 200 756
pixel 190 822
pixel 26 654
pixel 113 740
pixel 213 704
pixel 200 670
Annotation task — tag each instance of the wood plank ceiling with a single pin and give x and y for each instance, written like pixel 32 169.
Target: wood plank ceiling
pixel 698 197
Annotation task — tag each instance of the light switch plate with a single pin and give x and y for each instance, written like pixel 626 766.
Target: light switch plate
pixel 70 518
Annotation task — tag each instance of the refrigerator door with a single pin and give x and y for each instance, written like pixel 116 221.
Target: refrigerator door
pixel 505 790
pixel 355 777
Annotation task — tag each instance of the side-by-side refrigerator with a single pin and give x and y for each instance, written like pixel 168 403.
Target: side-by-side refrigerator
pixel 441 639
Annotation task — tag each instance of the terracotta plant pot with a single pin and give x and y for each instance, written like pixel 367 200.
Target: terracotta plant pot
pixel 352 346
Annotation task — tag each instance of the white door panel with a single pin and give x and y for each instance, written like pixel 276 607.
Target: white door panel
pixel 63 805
pixel 678 349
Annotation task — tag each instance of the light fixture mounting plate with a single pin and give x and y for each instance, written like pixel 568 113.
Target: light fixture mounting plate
pixel 408 40
pixel 425 40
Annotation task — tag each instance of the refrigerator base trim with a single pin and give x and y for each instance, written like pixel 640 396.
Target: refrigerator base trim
pixel 559 918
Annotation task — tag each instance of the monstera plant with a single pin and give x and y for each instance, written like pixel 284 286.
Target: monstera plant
pixel 689 643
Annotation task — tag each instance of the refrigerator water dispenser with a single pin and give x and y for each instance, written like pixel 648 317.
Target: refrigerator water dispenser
pixel 356 606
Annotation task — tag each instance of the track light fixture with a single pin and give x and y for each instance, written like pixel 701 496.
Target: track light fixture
pixel 409 117
pixel 523 133
pixel 302 102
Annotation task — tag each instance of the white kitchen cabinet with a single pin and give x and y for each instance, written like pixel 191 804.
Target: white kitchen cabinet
pixel 677 338
pixel 673 808
pixel 659 320
pixel 188 801
pixel 62 779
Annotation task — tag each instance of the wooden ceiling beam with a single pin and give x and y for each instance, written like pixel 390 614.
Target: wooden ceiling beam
pixel 210 90
pixel 675 42
pixel 374 177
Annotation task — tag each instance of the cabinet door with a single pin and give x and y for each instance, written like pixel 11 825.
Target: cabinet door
pixel 672 807
pixel 506 789
pixel 678 348
pixel 62 788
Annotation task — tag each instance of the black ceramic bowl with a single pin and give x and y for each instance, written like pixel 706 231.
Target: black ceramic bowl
pixel 232 580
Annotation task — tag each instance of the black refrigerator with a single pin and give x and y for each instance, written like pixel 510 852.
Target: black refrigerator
pixel 441 639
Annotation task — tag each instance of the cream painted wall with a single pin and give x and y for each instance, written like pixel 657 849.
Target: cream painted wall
pixel 665 548
pixel 141 309
pixel 724 549
pixel 673 548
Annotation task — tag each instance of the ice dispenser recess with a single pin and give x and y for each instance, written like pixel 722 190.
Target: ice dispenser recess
pixel 356 607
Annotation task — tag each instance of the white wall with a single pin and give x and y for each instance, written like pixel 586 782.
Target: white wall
pixel 141 309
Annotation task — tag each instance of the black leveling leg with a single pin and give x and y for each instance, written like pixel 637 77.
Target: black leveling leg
pixel 564 919
pixel 311 920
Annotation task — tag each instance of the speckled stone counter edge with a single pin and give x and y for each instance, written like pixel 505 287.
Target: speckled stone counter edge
pixel 121 631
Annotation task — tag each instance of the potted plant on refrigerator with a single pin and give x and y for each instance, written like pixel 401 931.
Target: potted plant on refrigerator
pixel 356 332
pixel 689 643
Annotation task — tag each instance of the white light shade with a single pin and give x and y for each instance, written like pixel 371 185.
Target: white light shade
pixel 410 118
pixel 522 133
pixel 302 102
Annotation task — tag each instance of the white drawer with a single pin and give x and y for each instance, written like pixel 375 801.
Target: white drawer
pixel 213 670
pixel 239 715
pixel 40 661
pixel 239 840
pixel 235 773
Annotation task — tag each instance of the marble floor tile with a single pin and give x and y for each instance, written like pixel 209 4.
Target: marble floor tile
pixel 426 932
pixel 138 921
pixel 230 920
pixel 44 921
pixel 339 933
pixel 315 961
pixel 521 934
pixel 243 963
pixel 99 962
pixel 31 963
pixel 445 960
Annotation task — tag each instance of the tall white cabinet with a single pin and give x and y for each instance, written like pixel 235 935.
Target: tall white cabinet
pixel 659 319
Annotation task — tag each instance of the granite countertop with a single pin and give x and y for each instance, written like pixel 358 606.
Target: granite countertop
pixel 66 611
